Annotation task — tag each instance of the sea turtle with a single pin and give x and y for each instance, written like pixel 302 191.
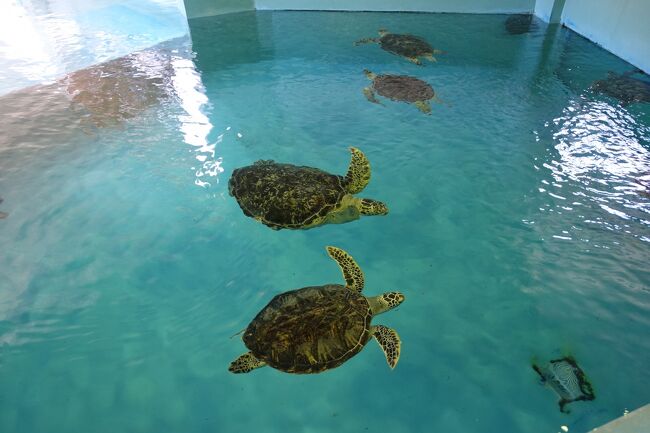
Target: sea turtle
pixel 289 196
pixel 318 328
pixel 408 46
pixel 3 215
pixel 518 24
pixel 624 87
pixel 567 380
pixel 400 88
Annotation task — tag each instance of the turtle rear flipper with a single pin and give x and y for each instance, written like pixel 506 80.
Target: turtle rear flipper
pixel 352 273
pixel 370 95
pixel 562 403
pixel 390 343
pixel 423 106
pixel 414 60
pixel 245 363
pixel 358 174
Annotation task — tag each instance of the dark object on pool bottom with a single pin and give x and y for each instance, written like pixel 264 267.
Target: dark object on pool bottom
pixel 408 46
pixel 567 380
pixel 400 88
pixel 288 196
pixel 624 87
pixel 318 328
pixel 519 24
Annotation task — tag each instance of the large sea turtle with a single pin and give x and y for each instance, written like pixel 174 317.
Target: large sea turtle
pixel 400 88
pixel 408 46
pixel 317 328
pixel 567 380
pixel 519 24
pixel 624 87
pixel 295 197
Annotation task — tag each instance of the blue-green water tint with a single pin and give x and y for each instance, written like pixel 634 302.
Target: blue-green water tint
pixel 518 230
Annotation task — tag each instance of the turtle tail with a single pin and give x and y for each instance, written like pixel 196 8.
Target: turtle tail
pixel 358 174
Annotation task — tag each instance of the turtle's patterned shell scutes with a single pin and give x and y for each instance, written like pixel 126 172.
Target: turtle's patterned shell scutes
pixel 405 45
pixel 310 329
pixel 286 195
pixel 403 88
pixel 626 89
pixel 568 380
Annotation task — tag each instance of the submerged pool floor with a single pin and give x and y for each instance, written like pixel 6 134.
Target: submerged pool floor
pixel 519 231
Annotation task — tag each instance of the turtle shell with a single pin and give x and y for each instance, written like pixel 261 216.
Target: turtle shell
pixel 403 88
pixel 405 45
pixel 286 195
pixel 567 380
pixel 518 24
pixel 624 88
pixel 310 329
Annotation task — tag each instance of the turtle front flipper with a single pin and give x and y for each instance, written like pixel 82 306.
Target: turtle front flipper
pixel 370 95
pixel 423 106
pixel 370 207
pixel 352 273
pixel 245 363
pixel 430 58
pixel 389 342
pixel 414 60
pixel 366 41
pixel 358 174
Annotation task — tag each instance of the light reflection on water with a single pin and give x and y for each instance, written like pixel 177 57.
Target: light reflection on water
pixel 603 160
pixel 42 40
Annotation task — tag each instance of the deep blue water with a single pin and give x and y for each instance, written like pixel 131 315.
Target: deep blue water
pixel 519 230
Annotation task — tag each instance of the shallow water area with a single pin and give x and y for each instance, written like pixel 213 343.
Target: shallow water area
pixel 519 230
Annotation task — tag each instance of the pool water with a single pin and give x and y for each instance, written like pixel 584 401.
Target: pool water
pixel 519 230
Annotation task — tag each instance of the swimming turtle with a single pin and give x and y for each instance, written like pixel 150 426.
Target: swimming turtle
pixel 567 380
pixel 3 215
pixel 624 87
pixel 408 46
pixel 400 88
pixel 296 197
pixel 318 328
pixel 519 24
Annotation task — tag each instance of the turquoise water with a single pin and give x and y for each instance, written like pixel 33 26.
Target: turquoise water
pixel 518 230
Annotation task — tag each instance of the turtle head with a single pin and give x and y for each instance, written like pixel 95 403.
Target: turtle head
pixel 369 206
pixel 351 208
pixel 371 75
pixel 383 32
pixel 387 301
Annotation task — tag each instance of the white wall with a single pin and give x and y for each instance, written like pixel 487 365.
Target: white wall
pixel 621 26
pixel 469 6
pixel 206 8
pixel 544 8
